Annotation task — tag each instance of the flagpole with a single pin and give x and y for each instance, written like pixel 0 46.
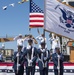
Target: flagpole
pixel 44 18
pixel 30 11
pixel 30 5
pixel 29 31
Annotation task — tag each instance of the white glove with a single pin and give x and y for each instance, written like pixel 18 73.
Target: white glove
pixel 45 58
pixel 59 56
pixel 17 54
pixel 28 47
pixel 58 67
pixel 30 61
pixel 42 50
pixel 18 65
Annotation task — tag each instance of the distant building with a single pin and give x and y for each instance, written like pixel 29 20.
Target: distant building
pixel 7 54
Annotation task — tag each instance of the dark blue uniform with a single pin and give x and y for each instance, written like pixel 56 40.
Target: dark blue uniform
pixel 31 57
pixel 55 61
pixel 43 60
pixel 21 63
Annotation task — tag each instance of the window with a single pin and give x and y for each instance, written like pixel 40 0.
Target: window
pixel 71 3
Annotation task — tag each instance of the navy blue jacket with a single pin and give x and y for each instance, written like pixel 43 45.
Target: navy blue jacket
pixel 21 60
pixel 27 55
pixel 41 62
pixel 55 60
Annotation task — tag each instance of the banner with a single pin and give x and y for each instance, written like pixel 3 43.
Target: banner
pixel 59 18
pixel 6 69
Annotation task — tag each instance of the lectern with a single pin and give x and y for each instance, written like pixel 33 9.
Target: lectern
pixel 71 45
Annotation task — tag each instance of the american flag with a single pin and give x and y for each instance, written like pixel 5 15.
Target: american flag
pixel 36 16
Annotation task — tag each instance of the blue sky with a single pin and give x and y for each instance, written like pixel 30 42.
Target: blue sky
pixel 15 20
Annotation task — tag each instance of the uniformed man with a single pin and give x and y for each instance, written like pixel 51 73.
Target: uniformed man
pixel 55 42
pixel 58 59
pixel 41 38
pixel 20 40
pixel 43 59
pixel 18 65
pixel 30 53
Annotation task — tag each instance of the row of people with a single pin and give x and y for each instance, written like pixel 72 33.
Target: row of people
pixel 55 41
pixel 31 54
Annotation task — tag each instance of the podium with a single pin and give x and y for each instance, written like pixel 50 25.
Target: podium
pixel 71 45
